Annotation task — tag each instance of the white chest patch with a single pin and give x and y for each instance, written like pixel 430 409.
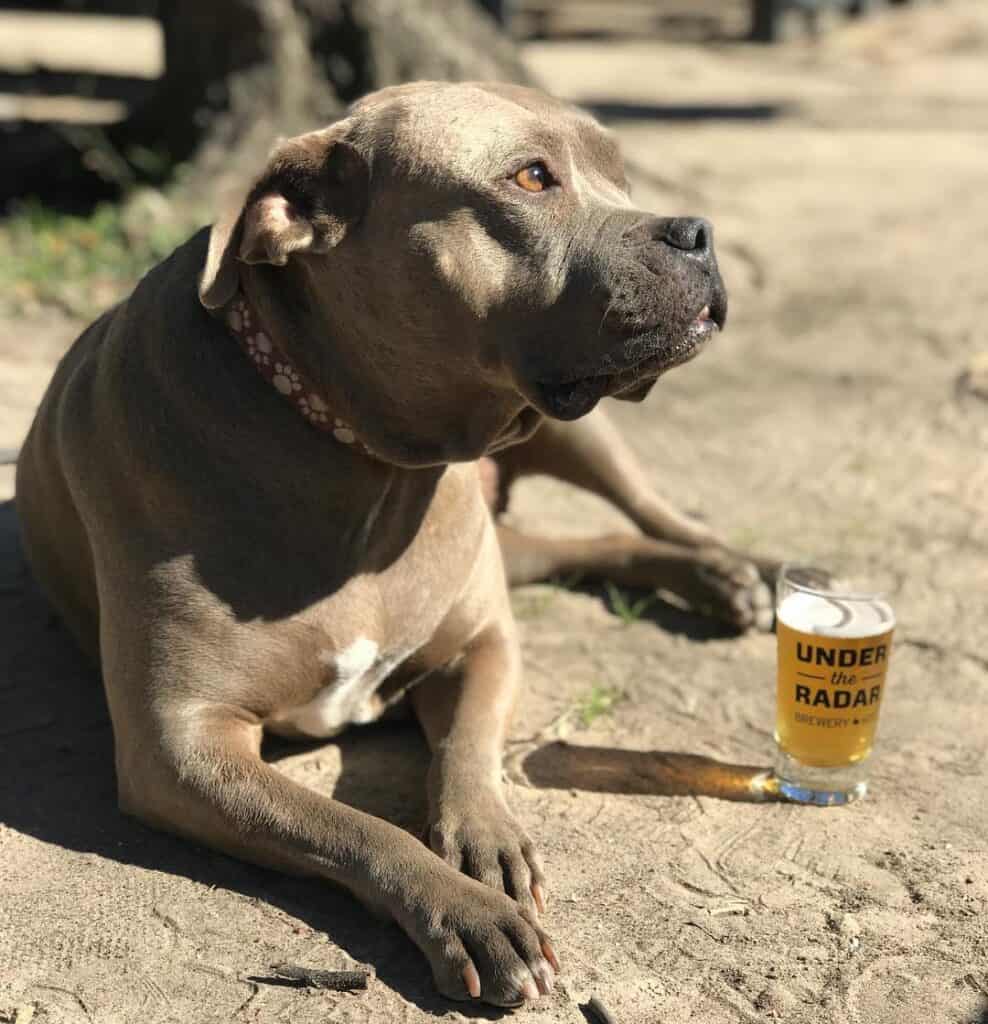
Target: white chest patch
pixel 358 671
pixel 353 661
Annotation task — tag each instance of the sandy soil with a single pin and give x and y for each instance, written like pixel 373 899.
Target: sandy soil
pixel 849 196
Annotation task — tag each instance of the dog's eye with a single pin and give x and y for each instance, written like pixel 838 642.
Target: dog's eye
pixel 534 178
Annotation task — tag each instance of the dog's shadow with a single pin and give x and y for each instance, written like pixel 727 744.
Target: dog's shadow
pixel 56 760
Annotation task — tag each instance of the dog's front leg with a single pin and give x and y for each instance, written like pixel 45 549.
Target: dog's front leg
pixel 198 772
pixel 465 711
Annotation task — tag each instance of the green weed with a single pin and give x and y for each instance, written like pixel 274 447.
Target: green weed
pixel 81 264
pixel 624 608
pixel 599 701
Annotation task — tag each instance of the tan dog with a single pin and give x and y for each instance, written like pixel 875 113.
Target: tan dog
pixel 424 282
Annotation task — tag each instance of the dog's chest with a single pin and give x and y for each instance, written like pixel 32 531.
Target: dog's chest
pixel 357 672
pixel 370 627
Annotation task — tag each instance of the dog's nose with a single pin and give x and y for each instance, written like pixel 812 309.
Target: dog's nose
pixel 694 235
pixel 691 234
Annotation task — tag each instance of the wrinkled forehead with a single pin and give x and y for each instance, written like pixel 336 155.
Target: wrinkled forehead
pixel 481 131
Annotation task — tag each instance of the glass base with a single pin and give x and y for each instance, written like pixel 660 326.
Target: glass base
pixel 825 787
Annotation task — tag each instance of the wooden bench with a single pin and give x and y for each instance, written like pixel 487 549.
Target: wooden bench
pixel 764 21
pixel 768 17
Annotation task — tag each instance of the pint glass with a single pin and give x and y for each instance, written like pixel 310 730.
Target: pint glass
pixel 833 648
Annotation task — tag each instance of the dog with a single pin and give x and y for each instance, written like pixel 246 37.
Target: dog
pixel 259 491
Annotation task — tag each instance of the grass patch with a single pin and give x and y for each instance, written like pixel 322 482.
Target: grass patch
pixel 597 703
pixel 83 264
pixel 624 607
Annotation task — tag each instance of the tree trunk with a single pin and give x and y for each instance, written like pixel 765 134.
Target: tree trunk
pixel 240 73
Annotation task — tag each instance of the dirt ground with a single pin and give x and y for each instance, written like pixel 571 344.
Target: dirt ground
pixel 847 186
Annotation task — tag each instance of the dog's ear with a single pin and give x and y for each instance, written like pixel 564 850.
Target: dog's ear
pixel 313 190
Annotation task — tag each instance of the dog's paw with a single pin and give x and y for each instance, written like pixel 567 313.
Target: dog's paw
pixel 731 588
pixel 478 835
pixel 483 945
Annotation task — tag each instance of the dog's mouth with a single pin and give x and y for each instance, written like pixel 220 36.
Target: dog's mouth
pixel 571 398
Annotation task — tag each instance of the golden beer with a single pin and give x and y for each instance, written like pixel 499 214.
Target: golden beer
pixel 833 655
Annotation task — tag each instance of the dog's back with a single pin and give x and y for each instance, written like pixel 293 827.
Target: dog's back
pixel 62 469
pixel 52 530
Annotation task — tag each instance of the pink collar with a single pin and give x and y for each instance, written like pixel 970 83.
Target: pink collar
pixel 274 366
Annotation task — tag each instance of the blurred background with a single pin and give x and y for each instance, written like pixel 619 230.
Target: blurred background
pixel 841 151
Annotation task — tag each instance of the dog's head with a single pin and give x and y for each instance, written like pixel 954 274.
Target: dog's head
pixel 480 240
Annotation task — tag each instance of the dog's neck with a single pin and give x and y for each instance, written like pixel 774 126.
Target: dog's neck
pixel 272 363
pixel 374 390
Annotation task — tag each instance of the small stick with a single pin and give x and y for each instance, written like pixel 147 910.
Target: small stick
pixel 310 977
pixel 599 1011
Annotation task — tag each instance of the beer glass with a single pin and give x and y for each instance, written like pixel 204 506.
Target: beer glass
pixel 834 644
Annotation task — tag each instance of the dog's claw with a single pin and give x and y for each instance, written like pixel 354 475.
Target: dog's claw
pixel 544 977
pixel 482 945
pixel 472 981
pixel 550 955
pixel 538 894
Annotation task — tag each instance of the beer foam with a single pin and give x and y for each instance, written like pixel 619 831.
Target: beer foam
pixel 830 615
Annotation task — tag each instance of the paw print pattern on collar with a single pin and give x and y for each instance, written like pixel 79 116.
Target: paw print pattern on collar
pixel 274 366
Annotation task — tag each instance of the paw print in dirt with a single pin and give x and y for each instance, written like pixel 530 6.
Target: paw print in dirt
pixel 286 379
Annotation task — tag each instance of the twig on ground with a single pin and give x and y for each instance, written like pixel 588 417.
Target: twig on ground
pixel 310 977
pixel 598 1011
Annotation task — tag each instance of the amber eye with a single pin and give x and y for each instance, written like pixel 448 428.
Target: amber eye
pixel 534 178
